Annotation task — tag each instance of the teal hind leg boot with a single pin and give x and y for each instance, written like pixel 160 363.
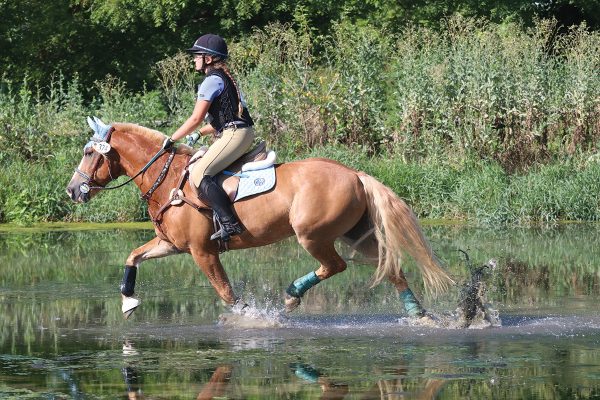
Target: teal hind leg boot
pixel 296 290
pixel 411 304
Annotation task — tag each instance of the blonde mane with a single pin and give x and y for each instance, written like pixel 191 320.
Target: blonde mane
pixel 152 134
pixel 135 129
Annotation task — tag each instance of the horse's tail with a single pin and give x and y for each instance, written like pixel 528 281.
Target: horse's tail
pixel 398 231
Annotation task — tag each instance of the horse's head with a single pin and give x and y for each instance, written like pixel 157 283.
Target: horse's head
pixel 98 166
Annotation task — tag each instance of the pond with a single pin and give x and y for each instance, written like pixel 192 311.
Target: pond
pixel 62 335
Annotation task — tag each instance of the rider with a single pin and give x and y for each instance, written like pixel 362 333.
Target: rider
pixel 221 103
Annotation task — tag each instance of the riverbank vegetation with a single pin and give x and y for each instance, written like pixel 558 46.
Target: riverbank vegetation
pixel 478 121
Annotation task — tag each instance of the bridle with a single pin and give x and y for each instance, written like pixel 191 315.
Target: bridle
pixel 91 184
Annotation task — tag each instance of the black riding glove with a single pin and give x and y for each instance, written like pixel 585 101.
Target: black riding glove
pixel 168 143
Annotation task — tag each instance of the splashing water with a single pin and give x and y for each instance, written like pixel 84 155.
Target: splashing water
pixel 473 311
pixel 249 316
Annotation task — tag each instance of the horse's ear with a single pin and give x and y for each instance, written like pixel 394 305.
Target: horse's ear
pixel 100 128
pixel 101 125
pixel 92 124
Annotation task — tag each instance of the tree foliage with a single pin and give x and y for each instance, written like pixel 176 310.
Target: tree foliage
pixel 124 38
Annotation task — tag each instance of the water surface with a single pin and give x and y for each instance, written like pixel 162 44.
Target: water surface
pixel 62 334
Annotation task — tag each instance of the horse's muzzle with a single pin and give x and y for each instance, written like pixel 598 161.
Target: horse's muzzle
pixel 76 194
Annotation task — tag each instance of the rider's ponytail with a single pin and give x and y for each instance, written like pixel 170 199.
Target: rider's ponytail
pixel 223 67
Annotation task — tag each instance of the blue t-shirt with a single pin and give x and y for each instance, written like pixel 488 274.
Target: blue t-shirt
pixel 211 87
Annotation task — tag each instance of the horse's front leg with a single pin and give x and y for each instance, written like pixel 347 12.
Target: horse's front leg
pixel 155 248
pixel 211 265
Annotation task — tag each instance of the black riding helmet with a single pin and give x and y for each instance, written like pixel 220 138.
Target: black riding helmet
pixel 211 44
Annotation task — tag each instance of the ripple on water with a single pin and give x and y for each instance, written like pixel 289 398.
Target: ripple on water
pixel 445 324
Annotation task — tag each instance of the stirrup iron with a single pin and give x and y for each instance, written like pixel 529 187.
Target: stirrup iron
pixel 226 229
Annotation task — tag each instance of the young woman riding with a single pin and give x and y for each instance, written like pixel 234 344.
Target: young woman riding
pixel 220 102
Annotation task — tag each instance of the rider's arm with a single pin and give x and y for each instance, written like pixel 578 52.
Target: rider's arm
pixel 207 130
pixel 200 110
pixel 208 90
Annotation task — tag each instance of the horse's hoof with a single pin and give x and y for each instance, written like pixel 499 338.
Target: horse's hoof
pixel 128 349
pixel 427 320
pixel 239 307
pixel 291 302
pixel 129 306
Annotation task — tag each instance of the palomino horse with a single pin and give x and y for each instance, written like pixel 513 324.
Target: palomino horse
pixel 318 200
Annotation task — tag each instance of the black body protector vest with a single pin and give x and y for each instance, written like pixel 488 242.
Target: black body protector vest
pixel 224 108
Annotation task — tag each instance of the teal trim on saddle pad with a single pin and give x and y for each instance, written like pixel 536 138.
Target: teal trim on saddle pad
pixel 229 173
pixel 301 285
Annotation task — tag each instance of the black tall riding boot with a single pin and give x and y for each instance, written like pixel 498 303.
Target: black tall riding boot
pixel 216 198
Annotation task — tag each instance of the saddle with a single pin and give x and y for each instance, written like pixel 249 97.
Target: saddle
pixel 256 168
pixel 256 159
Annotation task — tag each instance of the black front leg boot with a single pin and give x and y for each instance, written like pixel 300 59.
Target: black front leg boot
pixel 216 198
pixel 128 282
pixel 127 290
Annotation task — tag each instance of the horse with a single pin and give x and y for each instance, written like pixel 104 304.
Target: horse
pixel 318 200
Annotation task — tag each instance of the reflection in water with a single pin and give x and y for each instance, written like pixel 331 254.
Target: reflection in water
pixel 331 390
pixel 132 383
pixel 415 363
pixel 216 387
pixel 220 382
pixel 223 382
pixel 393 389
pixel 61 329
pixel 71 381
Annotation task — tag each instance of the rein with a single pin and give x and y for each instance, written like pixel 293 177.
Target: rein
pixel 161 177
pixel 86 186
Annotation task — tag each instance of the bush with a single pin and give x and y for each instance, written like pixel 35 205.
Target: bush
pixel 477 121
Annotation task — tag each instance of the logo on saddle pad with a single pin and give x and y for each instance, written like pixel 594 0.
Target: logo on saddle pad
pixel 255 182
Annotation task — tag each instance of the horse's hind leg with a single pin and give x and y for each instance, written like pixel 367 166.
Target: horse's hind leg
pixel 155 248
pixel 362 239
pixel 412 306
pixel 331 264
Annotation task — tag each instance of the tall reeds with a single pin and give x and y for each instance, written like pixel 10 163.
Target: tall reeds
pixel 475 89
pixel 466 120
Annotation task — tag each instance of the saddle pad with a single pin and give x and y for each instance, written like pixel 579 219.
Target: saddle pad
pixel 254 182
